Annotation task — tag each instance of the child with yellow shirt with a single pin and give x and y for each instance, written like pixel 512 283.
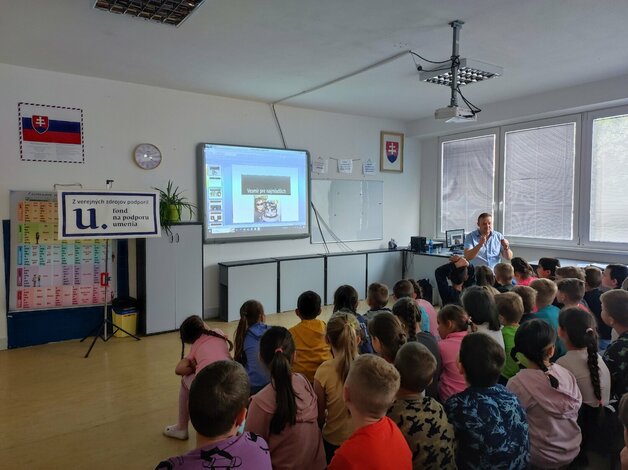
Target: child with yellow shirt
pixel 309 336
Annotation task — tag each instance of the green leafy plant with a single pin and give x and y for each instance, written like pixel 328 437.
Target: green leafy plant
pixel 172 203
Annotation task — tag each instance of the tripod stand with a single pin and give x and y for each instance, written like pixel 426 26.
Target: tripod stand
pixel 101 330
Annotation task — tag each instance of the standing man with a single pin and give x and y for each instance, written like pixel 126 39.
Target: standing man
pixel 483 247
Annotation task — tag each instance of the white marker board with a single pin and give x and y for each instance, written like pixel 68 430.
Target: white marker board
pixel 352 209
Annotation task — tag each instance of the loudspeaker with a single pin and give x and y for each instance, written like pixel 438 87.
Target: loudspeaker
pixel 417 244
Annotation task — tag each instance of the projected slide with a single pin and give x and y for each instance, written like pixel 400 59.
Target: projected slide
pixel 254 192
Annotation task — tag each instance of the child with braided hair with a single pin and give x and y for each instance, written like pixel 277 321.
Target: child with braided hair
pixel 576 328
pixel 208 346
pixel 549 393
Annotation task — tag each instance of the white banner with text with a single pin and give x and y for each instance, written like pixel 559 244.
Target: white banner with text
pixel 108 214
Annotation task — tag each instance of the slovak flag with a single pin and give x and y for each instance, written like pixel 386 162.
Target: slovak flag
pixel 38 128
pixel 392 151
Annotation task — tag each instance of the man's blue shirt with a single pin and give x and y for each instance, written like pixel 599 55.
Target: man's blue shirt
pixel 490 253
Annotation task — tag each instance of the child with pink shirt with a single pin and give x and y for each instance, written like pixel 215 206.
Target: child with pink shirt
pixel 453 324
pixel 207 346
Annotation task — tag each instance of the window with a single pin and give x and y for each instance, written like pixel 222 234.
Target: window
pixel 609 175
pixel 539 172
pixel 467 181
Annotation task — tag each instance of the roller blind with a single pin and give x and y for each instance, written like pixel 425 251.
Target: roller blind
pixel 609 177
pixel 539 167
pixel 467 181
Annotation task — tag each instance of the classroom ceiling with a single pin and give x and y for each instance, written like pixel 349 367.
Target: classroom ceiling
pixel 266 50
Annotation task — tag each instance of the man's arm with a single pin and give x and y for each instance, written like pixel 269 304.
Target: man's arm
pixel 506 252
pixel 470 253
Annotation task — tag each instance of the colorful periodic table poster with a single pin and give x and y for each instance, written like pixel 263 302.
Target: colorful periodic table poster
pixel 45 271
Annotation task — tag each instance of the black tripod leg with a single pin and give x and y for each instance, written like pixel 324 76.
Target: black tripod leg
pixel 99 335
pixel 116 328
pixel 94 332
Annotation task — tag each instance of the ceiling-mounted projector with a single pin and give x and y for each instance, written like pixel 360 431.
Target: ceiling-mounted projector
pixel 455 114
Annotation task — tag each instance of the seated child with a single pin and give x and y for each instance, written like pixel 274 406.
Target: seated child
pixel 524 274
pixel 592 283
pixel 490 425
pixel 577 330
pixel 479 304
pixel 427 306
pixel 570 293
pixel 510 311
pixel 460 273
pixel 377 443
pixel 387 334
pixel 218 399
pixel 484 277
pixel 250 329
pixel 545 294
pixel 549 393
pixel 421 419
pixel 528 296
pixel 623 416
pixel 614 275
pixel 208 345
pixel 408 313
pixel 403 289
pixel 343 334
pixel 504 275
pixel 285 412
pixel 453 324
pixel 569 272
pixel 309 336
pixel 377 299
pixel 546 268
pixel 346 301
pixel 615 315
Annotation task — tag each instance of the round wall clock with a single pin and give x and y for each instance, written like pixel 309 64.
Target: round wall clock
pixel 147 156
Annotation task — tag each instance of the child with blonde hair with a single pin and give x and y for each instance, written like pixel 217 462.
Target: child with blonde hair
pixel 343 335
pixel 208 345
pixel 545 293
pixel 504 275
pixel 528 296
pixel 510 311
pixel 377 442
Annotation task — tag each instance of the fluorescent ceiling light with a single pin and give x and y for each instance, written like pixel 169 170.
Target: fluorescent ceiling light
pixel 469 71
pixel 172 12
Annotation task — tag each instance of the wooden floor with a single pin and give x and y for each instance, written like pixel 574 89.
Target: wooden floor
pixel 59 410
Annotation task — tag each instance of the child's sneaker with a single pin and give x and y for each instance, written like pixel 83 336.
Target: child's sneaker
pixel 176 433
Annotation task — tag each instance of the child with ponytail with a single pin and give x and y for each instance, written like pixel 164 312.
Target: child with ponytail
pixel 576 328
pixel 343 333
pixel 247 337
pixel 285 412
pixel 453 325
pixel 208 346
pixel 387 335
pixel 549 393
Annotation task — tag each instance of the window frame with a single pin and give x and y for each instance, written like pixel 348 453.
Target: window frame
pixel 586 183
pixel 491 131
pixel 575 197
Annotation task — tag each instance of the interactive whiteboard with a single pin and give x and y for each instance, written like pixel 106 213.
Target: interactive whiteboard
pixel 352 209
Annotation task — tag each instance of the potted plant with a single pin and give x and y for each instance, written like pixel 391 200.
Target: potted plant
pixel 171 204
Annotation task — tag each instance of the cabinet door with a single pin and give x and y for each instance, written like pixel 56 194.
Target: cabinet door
pixel 188 244
pixel 160 284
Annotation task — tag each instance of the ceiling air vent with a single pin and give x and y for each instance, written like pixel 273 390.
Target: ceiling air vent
pixel 172 12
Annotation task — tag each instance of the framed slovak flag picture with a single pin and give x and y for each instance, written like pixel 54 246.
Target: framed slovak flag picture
pixel 51 133
pixel 391 151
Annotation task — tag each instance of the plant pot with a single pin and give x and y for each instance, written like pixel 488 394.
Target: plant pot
pixel 173 213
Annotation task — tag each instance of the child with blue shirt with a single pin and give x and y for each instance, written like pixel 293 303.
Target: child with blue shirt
pixel 545 294
pixel 489 422
pixel 250 330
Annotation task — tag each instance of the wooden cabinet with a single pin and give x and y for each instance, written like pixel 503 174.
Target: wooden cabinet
pixel 170 278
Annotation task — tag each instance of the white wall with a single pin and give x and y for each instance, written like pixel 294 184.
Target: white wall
pixel 118 116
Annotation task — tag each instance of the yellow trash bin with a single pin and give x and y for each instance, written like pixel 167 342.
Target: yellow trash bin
pixel 125 319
